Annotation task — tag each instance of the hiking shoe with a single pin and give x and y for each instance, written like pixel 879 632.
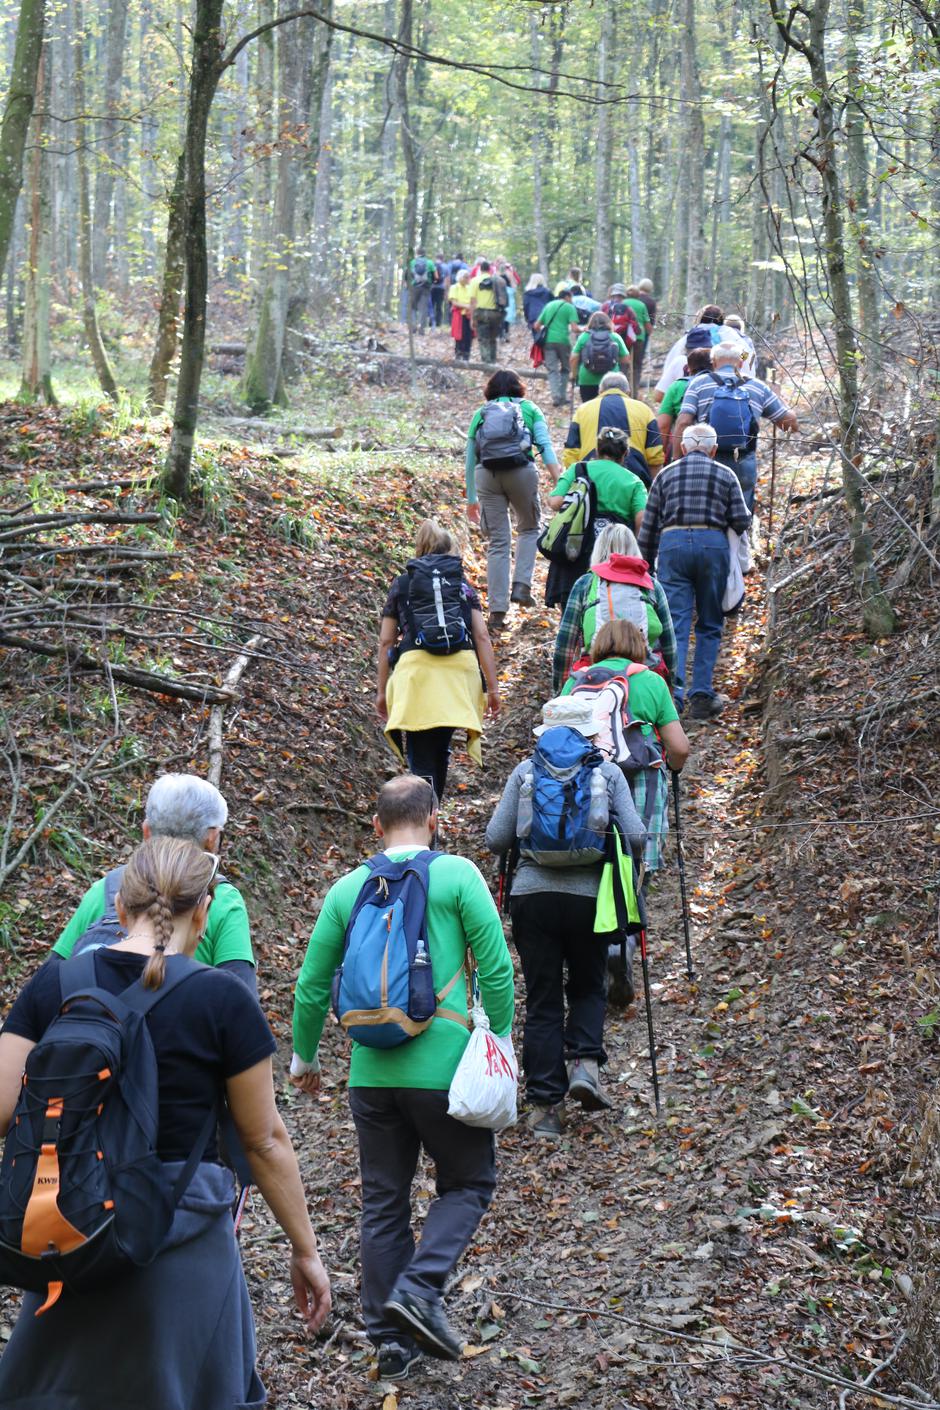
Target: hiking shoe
pixel 495 622
pixel 522 593
pixel 584 1085
pixel 545 1121
pixel 705 707
pixel 395 1360
pixel 426 1323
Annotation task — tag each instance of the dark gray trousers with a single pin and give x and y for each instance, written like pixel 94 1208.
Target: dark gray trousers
pixel 393 1124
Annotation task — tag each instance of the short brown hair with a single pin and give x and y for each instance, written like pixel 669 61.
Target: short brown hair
pixel 405 799
pixel 503 383
pixel 699 359
pixel 619 638
pixel 432 537
pixel 599 319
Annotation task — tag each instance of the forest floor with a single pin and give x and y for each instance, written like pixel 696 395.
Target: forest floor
pixel 752 1245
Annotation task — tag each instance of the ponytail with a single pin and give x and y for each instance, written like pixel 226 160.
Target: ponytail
pixel 165 878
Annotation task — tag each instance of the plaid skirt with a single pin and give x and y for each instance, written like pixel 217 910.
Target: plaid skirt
pixel 650 790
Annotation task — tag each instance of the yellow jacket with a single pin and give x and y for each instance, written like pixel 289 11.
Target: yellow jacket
pixel 615 409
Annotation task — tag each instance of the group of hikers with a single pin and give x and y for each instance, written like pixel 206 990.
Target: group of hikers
pixel 136 1064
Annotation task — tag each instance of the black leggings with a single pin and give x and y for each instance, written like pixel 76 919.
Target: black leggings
pixel 428 752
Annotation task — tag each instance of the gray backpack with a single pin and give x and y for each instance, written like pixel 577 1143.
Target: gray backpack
pixel 600 353
pixel 503 440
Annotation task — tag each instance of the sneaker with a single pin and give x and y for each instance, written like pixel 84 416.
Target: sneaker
pixel 584 1085
pixel 706 707
pixel 545 1121
pixel 396 1360
pixel 495 622
pixel 522 593
pixel 426 1323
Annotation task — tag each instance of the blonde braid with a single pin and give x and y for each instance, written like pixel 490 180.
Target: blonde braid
pixel 160 914
pixel 165 878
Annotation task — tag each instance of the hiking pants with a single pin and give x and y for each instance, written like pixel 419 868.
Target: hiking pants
pixel 552 930
pixel 587 393
pixel 639 354
pixel 488 323
pixel 745 468
pixel 419 307
pixel 393 1124
pixel 557 362
pixel 497 491
pixel 463 344
pixel 437 305
pixel 693 569
pixel 428 754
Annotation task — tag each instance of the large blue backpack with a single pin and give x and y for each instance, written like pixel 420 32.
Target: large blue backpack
pixel 83 1193
pixel 383 992
pixel 731 415
pixel 559 824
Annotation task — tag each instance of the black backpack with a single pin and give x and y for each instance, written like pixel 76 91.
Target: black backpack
pixel 83 1193
pixel 500 291
pixel 600 353
pixel 434 606
pixel 503 440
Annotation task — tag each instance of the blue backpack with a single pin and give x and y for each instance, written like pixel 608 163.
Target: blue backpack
pixel 383 992
pixel 563 812
pixel 730 414
pixel 83 1194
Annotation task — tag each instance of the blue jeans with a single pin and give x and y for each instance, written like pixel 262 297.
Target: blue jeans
pixel 745 468
pixel 693 569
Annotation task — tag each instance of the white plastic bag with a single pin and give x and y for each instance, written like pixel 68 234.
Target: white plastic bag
pixel 484 1087
pixel 739 561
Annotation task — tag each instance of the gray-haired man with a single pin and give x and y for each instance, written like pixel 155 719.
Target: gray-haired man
pixel 186 806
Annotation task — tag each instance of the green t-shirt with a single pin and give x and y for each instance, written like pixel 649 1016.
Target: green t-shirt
pixel 587 378
pixel 619 491
pixel 556 318
pixel 672 401
pixel 642 317
pixel 650 697
pixel 461 913
pixel 227 935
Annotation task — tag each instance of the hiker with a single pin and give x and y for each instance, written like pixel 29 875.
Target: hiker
pixel 733 406
pixel 183 806
pixel 501 474
pixel 455 266
pixel 438 290
pixel 698 360
pixel 511 280
pixel 535 296
pixel 583 302
pixel 709 328
pixel 461 324
pixel 179 1330
pixel 621 314
pixel 615 407
pixel 553 324
pixel 598 350
pixel 691 505
pixel 735 324
pixel 433 645
pixel 595 599
pixel 421 274
pixel 645 323
pixel 488 300
pixel 620 647
pixel 553 907
pixel 645 291
pixel 398 1095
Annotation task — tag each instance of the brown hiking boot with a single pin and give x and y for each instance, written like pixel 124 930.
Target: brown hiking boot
pixel 495 622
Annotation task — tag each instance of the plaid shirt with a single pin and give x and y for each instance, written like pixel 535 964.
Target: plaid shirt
pixel 693 490
pixel 569 643
pixel 700 393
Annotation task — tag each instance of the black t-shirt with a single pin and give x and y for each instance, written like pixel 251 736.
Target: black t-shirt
pixel 208 1029
pixel 395 607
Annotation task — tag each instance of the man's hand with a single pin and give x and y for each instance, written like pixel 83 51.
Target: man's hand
pixel 492 704
pixel 473 514
pixel 788 422
pixel 311 1289
pixel 308 1082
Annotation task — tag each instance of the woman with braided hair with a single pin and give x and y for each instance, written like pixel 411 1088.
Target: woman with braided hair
pixel 179 1332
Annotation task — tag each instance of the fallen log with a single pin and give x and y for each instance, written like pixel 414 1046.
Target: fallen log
pixel 256 423
pixel 130 675
pixel 65 521
pixel 230 683
pixel 453 365
pixel 229 349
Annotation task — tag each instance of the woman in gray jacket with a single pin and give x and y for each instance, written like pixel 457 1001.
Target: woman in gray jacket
pixel 552 909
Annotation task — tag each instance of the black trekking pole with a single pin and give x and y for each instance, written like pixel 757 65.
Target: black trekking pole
pixel 680 854
pixel 644 965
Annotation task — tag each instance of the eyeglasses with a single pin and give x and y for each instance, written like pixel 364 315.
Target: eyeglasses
pixel 210 886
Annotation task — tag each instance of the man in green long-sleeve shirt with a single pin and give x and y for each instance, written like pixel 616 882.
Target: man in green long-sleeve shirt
pixel 398 1096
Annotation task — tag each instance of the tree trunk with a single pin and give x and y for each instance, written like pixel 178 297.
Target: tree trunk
pixel 89 312
pixel 637 205
pixel 692 125
pixel 17 114
pixel 169 313
pixel 37 372
pixel 149 129
pixel 204 77
pixel 323 244
pixel 109 156
pixel 857 182
pixel 538 157
pixel 603 271
pixel 264 134
pixel 408 145
pixel 388 263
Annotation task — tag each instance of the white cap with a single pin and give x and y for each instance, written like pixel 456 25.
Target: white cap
pixel 571 710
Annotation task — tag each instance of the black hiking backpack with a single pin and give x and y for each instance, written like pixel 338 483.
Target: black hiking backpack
pixel 83 1193
pixel 503 440
pixel 600 353
pixel 436 613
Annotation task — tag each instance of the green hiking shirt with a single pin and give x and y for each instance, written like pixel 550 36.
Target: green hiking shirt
pixel 556 318
pixel 642 317
pixel 587 378
pixel 461 913
pixel 619 491
pixel 650 697
pixel 672 401
pixel 227 934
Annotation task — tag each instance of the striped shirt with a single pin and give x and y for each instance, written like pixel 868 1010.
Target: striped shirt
pixel 692 491
pixel 700 393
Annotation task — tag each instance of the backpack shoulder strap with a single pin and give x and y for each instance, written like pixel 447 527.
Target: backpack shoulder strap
pixel 112 885
pixel 77 975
